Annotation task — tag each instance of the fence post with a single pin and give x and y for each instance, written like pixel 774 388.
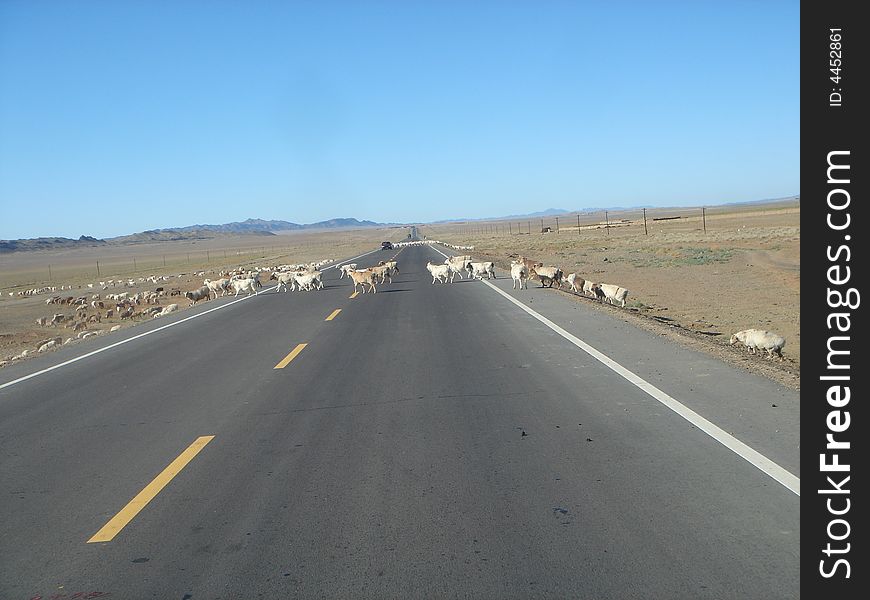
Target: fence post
pixel 704 218
pixel 98 268
pixel 542 225
pixel 606 224
pixel 578 223
pixel 645 230
pixel 557 224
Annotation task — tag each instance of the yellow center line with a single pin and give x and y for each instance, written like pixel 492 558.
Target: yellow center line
pixel 352 296
pixel 119 521
pixel 333 315
pixel 293 354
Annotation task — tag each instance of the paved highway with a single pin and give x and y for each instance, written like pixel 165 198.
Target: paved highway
pixel 427 441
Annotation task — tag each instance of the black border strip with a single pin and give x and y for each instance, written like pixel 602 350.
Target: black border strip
pixel 833 559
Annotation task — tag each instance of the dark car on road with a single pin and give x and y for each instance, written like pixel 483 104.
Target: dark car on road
pixel 386 246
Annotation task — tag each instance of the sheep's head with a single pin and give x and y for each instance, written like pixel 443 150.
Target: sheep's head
pixel 734 339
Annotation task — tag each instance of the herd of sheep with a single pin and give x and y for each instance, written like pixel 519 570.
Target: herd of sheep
pixel 522 269
pixel 308 277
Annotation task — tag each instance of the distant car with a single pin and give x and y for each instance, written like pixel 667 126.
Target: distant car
pixel 386 246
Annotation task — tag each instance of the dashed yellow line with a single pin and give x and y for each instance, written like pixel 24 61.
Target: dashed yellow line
pixel 293 354
pixel 352 296
pixel 333 314
pixel 119 521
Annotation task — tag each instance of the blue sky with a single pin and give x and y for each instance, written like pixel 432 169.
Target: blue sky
pixel 117 117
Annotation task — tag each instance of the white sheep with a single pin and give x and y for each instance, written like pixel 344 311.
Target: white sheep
pixel 283 279
pixel 457 264
pixel 241 285
pixel 221 285
pixel 575 281
pixel 308 280
pixel 614 293
pixel 546 275
pixel 520 274
pixel 48 344
pixel 754 339
pixel 165 310
pixel 363 277
pixel 478 269
pixel 438 272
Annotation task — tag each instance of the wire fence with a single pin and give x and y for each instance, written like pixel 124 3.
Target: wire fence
pixel 640 221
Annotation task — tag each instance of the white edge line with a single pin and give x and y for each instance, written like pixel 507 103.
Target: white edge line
pixel 136 337
pixel 761 462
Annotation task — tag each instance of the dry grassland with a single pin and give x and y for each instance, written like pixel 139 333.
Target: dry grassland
pixel 187 263
pixel 696 286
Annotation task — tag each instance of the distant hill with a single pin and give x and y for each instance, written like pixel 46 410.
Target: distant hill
pixel 550 212
pixel 254 227
pixel 765 201
pixel 541 213
pixel 49 243
pixel 261 225
pixel 334 223
pixel 174 235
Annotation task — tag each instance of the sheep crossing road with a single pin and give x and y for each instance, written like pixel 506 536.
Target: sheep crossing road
pixel 421 441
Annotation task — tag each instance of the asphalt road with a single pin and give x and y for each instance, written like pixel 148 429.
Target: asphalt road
pixel 429 441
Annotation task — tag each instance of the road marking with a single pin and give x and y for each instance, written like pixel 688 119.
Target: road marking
pixel 755 458
pixel 352 296
pixel 119 521
pixel 293 354
pixel 333 314
pixel 141 335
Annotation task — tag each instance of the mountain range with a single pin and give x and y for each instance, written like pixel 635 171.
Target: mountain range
pixel 255 227
pixel 262 227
